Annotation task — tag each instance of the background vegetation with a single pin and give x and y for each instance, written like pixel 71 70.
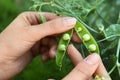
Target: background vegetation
pixel 105 19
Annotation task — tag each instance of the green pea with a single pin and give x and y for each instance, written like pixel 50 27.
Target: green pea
pixel 83 34
pixel 86 37
pixel 79 29
pixel 92 47
pixel 62 46
pixel 101 77
pixel 66 36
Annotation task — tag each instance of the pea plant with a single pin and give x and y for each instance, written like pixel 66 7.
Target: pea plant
pixel 98 26
pixel 83 34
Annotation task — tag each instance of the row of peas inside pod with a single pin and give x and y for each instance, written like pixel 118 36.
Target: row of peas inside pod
pixel 83 34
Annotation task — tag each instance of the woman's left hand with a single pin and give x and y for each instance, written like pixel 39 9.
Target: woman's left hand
pixel 26 37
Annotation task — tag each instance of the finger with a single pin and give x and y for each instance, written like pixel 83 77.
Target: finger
pixel 45 41
pixel 52 42
pixel 74 54
pixel 49 16
pixel 85 69
pixel 52 51
pixel 101 69
pixel 45 56
pixel 44 49
pixel 91 78
pixel 54 26
pixel 76 39
pixel 48 41
pixel 44 53
pixel 33 18
pixel 36 49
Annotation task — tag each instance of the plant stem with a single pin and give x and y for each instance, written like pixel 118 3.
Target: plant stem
pixel 117 35
pixel 118 50
pixel 112 69
pixel 117 55
pixel 117 64
pixel 74 15
pixel 118 19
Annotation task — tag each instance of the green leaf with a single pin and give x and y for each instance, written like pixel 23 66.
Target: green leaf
pixel 113 29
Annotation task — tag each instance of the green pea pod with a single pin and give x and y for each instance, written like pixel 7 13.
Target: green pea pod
pixel 62 46
pixel 87 38
pixel 101 77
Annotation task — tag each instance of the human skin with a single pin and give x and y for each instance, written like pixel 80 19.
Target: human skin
pixel 27 37
pixel 85 68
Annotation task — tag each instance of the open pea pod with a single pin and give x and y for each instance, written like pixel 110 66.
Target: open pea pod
pixel 83 34
pixel 62 46
pixel 87 38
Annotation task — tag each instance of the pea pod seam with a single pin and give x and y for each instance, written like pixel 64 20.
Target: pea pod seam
pixel 83 34
pixel 87 38
pixel 62 46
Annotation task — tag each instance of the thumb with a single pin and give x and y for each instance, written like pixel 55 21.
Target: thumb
pixel 54 26
pixel 85 69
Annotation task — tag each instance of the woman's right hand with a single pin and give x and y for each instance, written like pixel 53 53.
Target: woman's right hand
pixel 85 68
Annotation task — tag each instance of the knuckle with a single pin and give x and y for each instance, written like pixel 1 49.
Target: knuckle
pixel 53 25
pixel 57 24
pixel 63 22
pixel 23 13
pixel 83 71
pixel 26 13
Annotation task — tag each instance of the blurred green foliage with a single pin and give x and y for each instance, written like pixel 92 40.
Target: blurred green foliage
pixel 39 70
pixel 102 18
pixel 9 9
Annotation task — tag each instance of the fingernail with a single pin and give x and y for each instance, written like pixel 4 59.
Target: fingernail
pixel 70 21
pixel 92 59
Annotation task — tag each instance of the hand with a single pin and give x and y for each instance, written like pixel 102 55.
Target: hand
pixel 85 68
pixel 25 37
